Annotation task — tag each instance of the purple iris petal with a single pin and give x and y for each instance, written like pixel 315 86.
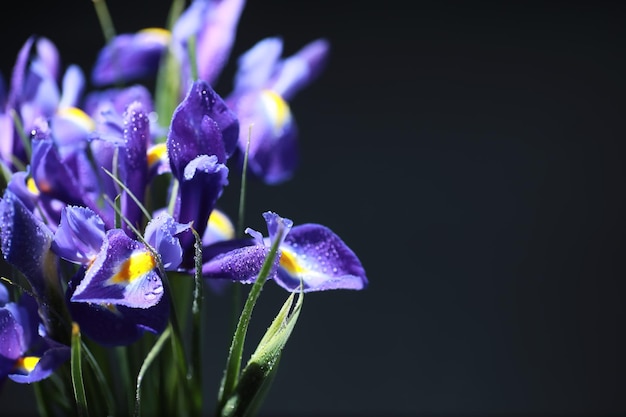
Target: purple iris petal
pixel 300 69
pixel 70 128
pixel 161 234
pixel 18 184
pixel 25 240
pixel 201 185
pixel 19 74
pixel 133 162
pixel 201 125
pixel 114 325
pixel 52 175
pixel 4 295
pixel 273 153
pixel 123 273
pixel 323 261
pixel 276 224
pixel 257 65
pixel 216 37
pixel 73 86
pixel 241 264
pixel 129 57
pixel 79 235
pixel 116 100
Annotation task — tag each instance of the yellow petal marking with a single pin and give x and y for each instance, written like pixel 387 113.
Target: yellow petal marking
pixel 277 108
pixel 161 34
pixel 78 116
pixel 31 186
pixel 27 363
pixel 219 222
pixel 156 153
pixel 289 262
pixel 139 264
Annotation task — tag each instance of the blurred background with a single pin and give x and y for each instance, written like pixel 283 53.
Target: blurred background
pixel 472 154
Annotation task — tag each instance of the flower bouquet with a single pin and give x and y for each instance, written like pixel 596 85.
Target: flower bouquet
pixel 111 224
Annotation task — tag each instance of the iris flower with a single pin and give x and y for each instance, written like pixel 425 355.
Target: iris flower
pixel 27 354
pixel 310 253
pixel 118 291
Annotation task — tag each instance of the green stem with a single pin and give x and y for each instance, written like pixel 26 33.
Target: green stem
pixel 233 363
pixel 104 17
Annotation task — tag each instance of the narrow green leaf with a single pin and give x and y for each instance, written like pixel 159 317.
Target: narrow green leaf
pixel 102 382
pixel 104 18
pixel 77 372
pixel 150 357
pixel 118 212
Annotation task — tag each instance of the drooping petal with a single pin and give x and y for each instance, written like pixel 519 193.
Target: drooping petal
pixel 161 234
pixel 79 235
pixel 25 240
pixel 129 57
pixel 320 258
pixel 34 368
pixel 241 264
pixel 123 273
pixel 113 324
pixel 201 125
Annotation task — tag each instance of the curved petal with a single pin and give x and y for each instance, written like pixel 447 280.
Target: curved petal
pixel 129 57
pixel 241 264
pixel 79 235
pixel 318 256
pixel 161 234
pixel 25 240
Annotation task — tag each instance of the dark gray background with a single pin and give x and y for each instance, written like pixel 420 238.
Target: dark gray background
pixel 471 153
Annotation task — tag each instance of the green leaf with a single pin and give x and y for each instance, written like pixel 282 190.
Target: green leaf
pixel 152 355
pixel 77 373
